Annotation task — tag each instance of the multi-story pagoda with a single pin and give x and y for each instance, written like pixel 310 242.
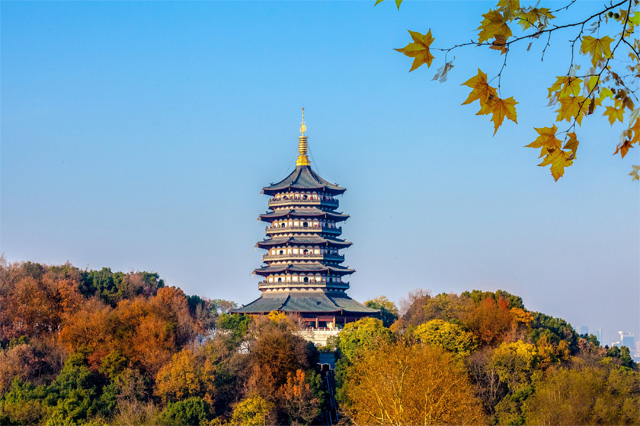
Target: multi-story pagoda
pixel 303 271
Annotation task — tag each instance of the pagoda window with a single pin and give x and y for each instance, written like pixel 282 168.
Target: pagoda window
pixel 295 278
pixel 288 251
pixel 295 251
pixel 279 279
pixel 305 252
pixel 281 251
pixel 304 197
pixel 288 278
pixel 305 224
pixel 305 279
pixel 316 251
pixel 270 279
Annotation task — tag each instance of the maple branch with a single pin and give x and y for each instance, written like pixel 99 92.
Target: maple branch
pixel 564 7
pixel 539 32
pixel 633 49
pixel 545 47
pixel 604 68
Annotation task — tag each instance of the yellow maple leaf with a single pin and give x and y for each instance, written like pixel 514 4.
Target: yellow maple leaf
pixel 419 49
pixel 597 48
pixel 481 90
pixel 510 8
pixel 573 107
pixel 547 138
pixel 492 25
pixel 634 172
pixel 572 144
pixel 605 92
pixel 558 160
pixel 565 86
pixel 534 15
pixel 613 114
pixel 500 108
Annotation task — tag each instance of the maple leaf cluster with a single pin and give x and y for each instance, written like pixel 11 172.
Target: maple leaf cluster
pixel 606 86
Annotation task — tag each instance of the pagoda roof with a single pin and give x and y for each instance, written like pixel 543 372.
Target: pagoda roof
pixel 309 240
pixel 303 268
pixel 305 302
pixel 303 178
pixel 304 212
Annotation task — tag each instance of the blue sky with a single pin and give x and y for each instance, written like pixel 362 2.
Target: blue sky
pixel 137 135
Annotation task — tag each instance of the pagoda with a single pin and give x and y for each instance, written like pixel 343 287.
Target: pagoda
pixel 302 272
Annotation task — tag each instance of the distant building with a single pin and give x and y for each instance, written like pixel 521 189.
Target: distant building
pixel 628 340
pixel 303 272
pixel 598 334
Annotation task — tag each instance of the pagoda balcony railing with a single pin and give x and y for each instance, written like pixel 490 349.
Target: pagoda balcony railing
pixel 302 284
pixel 326 256
pixel 314 229
pixel 301 202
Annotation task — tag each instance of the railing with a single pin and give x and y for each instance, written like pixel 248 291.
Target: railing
pixel 324 256
pixel 301 202
pixel 326 229
pixel 339 285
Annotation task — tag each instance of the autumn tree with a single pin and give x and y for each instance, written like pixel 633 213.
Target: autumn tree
pixel 252 411
pixel 276 353
pixel 399 383
pixel 186 375
pixel 489 320
pixel 599 76
pixel 448 336
pixel 299 401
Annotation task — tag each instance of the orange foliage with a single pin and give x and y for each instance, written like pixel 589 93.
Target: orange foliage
pixel 147 331
pixel 490 321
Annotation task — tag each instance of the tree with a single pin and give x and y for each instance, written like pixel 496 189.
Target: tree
pixel 516 365
pixel 362 334
pixel 399 383
pixel 276 353
pixel 298 400
pixel 192 411
pixel 388 309
pixel 600 73
pixel 252 411
pixel 586 396
pixel 489 320
pixel 183 377
pixel 448 336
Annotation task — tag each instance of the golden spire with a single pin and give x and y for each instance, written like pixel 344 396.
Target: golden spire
pixel 303 160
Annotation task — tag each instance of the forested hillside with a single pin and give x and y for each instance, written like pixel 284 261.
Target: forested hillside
pixel 102 347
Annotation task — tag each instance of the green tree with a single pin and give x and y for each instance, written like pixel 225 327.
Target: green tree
pixel 388 309
pixel 75 395
pixel 586 396
pixel 191 411
pixel 23 404
pixel 237 324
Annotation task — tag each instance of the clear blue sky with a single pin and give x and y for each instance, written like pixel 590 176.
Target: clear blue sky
pixel 137 135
